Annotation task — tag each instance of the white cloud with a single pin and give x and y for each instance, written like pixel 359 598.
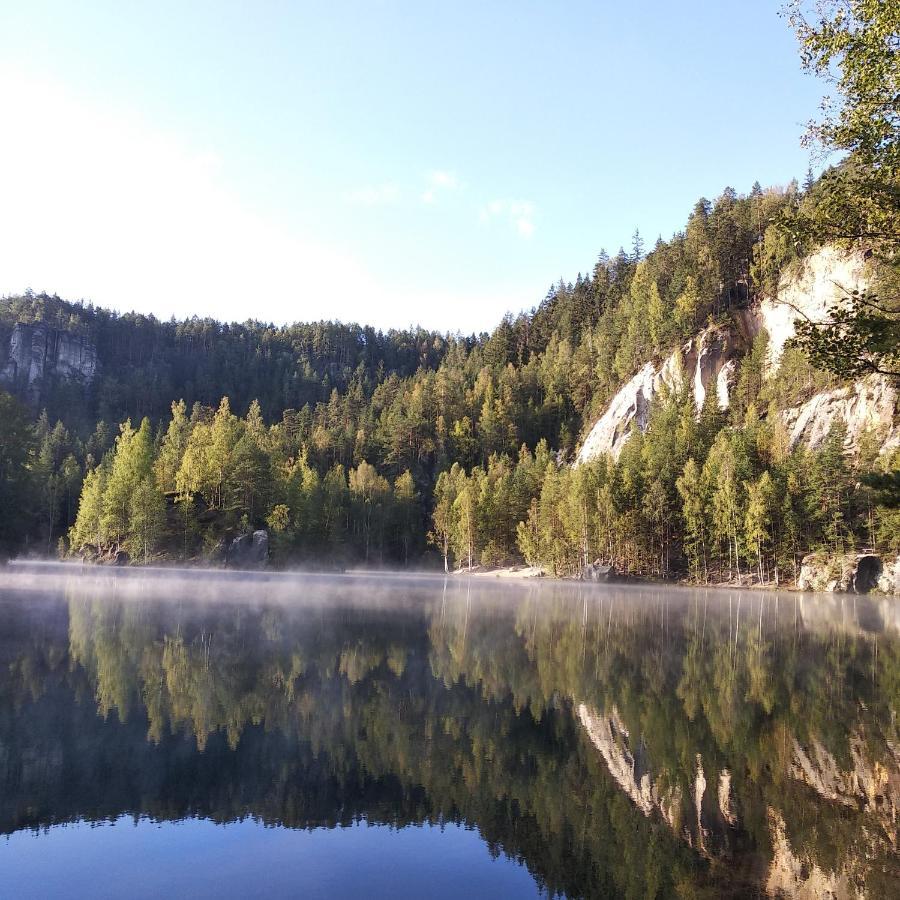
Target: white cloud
pixel 519 214
pixel 439 181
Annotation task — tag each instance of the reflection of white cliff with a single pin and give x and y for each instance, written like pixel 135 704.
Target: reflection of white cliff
pixel 789 876
pixel 852 614
pixel 870 785
pixel 705 817
pixel 696 817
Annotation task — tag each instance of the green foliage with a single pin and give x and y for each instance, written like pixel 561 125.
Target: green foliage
pixel 854 46
pixel 17 487
pixel 361 438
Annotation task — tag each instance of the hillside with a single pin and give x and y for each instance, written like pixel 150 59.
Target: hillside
pixel 710 362
pixel 350 445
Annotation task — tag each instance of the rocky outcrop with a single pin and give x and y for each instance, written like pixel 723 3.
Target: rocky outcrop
pixel 866 405
pixel 808 291
pixel 709 362
pixel 889 580
pixel 706 362
pixel 34 354
pixel 855 573
pixel 248 551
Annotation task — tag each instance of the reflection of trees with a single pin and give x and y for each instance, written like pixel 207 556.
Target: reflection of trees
pixel 463 707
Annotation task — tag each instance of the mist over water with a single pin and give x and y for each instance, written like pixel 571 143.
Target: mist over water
pixel 415 731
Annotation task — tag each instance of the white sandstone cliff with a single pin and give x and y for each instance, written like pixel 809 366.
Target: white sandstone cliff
pixel 709 361
pixel 706 362
pixel 808 291
pixel 867 405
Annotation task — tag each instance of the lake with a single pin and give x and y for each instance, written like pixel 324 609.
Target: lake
pixel 210 734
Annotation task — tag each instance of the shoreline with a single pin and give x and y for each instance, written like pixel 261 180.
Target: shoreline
pixel 523 571
pixel 513 572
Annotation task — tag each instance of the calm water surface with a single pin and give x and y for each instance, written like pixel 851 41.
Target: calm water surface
pixel 198 734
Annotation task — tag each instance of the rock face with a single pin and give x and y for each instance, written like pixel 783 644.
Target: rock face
pixel 822 279
pixel 855 573
pixel 710 360
pixel 706 362
pixel 248 551
pixel 36 353
pixel 889 581
pixel 868 404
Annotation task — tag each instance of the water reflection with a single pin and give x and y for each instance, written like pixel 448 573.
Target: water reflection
pixel 617 741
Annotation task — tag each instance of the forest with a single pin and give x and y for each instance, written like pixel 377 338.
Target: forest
pixel 357 447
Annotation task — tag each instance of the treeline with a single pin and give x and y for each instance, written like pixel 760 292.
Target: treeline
pixel 692 496
pixel 213 474
pixel 376 441
pixel 144 362
pixel 542 374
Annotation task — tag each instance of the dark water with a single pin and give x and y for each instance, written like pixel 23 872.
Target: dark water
pixel 204 735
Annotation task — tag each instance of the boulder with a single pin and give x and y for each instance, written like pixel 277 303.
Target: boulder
pixel 248 551
pixel 889 580
pixel 597 571
pixel 855 573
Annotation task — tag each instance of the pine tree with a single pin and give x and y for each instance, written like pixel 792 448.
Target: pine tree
pixel 147 520
pixel 173 446
pixel 131 463
pixel 444 516
pixel 405 507
pixel 694 512
pixel 758 517
pixel 88 527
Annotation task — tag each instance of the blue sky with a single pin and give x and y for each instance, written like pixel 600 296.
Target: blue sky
pixel 386 162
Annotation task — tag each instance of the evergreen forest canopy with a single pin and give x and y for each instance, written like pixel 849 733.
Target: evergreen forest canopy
pixel 353 445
